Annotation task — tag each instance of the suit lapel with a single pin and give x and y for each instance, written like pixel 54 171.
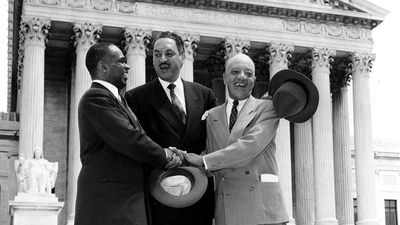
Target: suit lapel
pixel 220 125
pixel 193 109
pixel 131 115
pixel 132 118
pixel 162 104
pixel 245 116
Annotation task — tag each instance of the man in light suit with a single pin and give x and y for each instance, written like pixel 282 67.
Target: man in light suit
pixel 114 147
pixel 241 152
pixel 170 109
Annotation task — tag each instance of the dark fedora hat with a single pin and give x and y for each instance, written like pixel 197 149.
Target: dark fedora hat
pixel 294 96
pixel 198 185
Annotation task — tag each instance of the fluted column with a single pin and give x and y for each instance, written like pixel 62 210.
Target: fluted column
pixel 85 36
pixel 279 54
pixel 363 141
pixel 234 46
pixel 190 42
pixel 136 40
pixel 325 213
pixel 341 149
pixel 33 35
pixel 304 174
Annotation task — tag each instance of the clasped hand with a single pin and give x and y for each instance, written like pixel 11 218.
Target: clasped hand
pixel 177 157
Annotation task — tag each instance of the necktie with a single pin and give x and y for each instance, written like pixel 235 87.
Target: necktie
pixel 135 120
pixel 176 103
pixel 123 100
pixel 234 114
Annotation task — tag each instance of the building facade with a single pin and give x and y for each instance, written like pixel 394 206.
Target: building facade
pixel 327 40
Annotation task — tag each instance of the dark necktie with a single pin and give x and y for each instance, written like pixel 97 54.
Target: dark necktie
pixel 135 120
pixel 176 103
pixel 234 114
pixel 123 100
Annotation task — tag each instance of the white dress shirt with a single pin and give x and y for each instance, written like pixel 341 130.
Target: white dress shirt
pixel 178 90
pixel 229 106
pixel 110 87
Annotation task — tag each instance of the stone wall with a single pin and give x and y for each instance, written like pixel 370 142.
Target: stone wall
pixel 9 128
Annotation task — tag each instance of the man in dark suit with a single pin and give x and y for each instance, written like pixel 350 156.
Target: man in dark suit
pixel 170 111
pixel 114 147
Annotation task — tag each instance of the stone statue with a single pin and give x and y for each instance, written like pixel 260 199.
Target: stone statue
pixel 22 173
pixel 36 175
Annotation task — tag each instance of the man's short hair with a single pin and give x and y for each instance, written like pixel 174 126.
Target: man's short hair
pixel 95 54
pixel 178 40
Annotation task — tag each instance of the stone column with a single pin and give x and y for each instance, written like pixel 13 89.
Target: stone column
pixel 304 174
pixel 279 54
pixel 234 46
pixel 341 148
pixel 325 213
pixel 136 40
pixel 85 36
pixel 190 42
pixel 33 35
pixel 363 140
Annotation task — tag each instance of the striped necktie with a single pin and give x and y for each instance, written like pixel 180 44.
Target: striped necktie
pixel 176 103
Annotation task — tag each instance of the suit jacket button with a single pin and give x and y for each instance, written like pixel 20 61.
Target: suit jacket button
pixel 251 189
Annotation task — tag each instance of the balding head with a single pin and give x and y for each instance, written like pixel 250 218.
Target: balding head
pixel 239 58
pixel 239 76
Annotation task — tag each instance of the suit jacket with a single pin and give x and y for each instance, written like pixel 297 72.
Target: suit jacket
pixel 154 110
pixel 114 150
pixel 239 159
pixel 155 113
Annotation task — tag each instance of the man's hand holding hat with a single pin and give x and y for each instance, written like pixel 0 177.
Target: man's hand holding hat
pixel 294 96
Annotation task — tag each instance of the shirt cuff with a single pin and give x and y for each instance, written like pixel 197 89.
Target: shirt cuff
pixel 205 164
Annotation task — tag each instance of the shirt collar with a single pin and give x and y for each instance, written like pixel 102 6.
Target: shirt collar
pixel 240 105
pixel 110 87
pixel 178 83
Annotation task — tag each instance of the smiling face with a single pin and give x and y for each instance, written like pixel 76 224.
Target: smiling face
pixel 117 67
pixel 239 76
pixel 166 59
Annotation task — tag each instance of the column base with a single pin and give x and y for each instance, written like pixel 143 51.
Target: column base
pixel 326 221
pixel 43 209
pixel 71 220
pixel 291 222
pixel 370 221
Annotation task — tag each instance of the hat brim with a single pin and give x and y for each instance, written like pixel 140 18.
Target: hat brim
pixel 308 86
pixel 196 176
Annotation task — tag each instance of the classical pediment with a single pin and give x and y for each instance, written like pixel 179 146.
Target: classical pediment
pixel 359 13
pixel 334 6
pixel 356 12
